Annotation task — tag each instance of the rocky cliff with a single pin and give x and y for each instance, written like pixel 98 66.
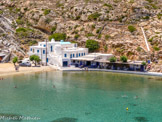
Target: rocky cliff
pixel 25 22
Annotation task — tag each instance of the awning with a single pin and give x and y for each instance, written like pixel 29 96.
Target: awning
pixel 2 54
pixel 83 59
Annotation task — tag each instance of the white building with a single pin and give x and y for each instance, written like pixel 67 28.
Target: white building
pixel 58 53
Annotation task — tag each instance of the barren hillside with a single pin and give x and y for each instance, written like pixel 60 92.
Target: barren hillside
pixel 25 22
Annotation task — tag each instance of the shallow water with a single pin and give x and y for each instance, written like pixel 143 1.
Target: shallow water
pixel 81 97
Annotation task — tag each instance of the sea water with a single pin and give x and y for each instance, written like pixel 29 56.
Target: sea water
pixel 81 97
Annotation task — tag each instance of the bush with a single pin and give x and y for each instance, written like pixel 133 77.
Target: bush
pixel 98 30
pixel 47 11
pixel 58 36
pixel 1 12
pixel 92 45
pixel 108 5
pixel 112 59
pixel 53 29
pixel 32 42
pixel 151 39
pixel 139 49
pixel 120 50
pixel 123 58
pixel 15 60
pixel 150 1
pixel 94 16
pixel 107 37
pixel 146 17
pixel 58 4
pixel 159 16
pixel 143 63
pixel 105 48
pixel 89 34
pixel 23 30
pixel 77 18
pixel 19 21
pixel 131 28
pixel 47 20
pixel 154 6
pixel 77 36
pixel 93 26
pixel 99 36
pixel 156 48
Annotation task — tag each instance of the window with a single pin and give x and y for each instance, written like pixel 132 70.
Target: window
pixel 30 49
pixel 44 45
pixel 76 55
pixel 79 54
pixel 37 51
pixel 51 48
pixel 82 54
pixel 40 44
pixel 44 51
pixel 65 55
pixel 73 55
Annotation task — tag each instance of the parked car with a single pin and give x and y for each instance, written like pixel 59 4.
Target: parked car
pixel 25 64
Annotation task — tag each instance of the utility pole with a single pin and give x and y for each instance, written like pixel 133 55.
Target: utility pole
pixel 46 52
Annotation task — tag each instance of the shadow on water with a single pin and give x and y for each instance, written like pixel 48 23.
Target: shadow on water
pixel 132 104
pixel 154 78
pixel 65 119
pixel 10 117
pixel 87 113
pixel 141 119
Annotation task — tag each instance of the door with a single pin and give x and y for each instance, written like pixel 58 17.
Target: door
pixel 65 63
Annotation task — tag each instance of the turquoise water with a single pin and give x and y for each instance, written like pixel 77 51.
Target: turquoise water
pixel 81 97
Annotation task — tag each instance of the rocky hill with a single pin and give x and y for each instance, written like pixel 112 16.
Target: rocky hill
pixel 115 24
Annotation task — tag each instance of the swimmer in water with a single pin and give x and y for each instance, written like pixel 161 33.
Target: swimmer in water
pixel 15 87
pixel 54 86
pixel 124 96
pixel 136 97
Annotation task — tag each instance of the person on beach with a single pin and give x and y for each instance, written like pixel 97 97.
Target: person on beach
pixel 148 67
pixel 1 78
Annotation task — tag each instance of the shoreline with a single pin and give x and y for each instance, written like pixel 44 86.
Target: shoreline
pixel 117 71
pixel 7 69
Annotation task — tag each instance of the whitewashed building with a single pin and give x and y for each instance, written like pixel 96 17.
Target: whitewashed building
pixel 59 53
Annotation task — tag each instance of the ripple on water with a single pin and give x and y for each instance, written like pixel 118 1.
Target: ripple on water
pixel 65 119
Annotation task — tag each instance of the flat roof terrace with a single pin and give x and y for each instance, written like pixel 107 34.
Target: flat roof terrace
pixel 37 47
pixel 74 49
pixel 92 57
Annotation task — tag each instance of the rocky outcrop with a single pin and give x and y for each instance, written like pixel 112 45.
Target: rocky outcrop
pixel 105 21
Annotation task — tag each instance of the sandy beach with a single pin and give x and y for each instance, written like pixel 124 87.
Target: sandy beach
pixel 7 69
